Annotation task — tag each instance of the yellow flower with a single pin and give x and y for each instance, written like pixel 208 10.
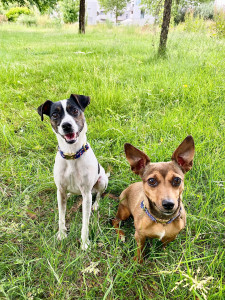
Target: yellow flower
pixel 185 85
pixel 38 147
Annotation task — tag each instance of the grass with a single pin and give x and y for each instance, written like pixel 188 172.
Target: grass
pixel 135 97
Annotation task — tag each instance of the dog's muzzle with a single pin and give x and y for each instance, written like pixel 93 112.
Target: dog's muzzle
pixel 69 135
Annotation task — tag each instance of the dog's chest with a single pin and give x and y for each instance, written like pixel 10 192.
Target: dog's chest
pixel 160 231
pixel 73 178
pixel 160 234
pixel 77 177
pixel 157 231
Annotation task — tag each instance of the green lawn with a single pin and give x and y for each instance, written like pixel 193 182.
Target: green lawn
pixel 137 98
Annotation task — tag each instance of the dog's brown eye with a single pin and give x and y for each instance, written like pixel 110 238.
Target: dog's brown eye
pixel 152 182
pixel 176 181
pixel 75 112
pixel 55 115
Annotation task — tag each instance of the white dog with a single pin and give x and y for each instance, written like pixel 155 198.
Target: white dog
pixel 76 168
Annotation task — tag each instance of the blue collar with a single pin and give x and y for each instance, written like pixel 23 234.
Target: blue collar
pixel 154 219
pixel 76 155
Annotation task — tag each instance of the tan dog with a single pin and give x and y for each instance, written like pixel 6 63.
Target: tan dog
pixel 156 202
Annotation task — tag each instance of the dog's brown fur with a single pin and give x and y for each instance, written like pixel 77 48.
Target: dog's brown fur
pixel 164 175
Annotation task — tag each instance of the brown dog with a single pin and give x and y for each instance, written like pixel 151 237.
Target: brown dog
pixel 156 202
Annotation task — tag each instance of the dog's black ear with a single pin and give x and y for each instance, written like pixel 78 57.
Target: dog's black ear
pixel 136 158
pixel 184 154
pixel 44 109
pixel 81 100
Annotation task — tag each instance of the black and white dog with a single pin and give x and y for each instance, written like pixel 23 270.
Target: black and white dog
pixel 76 168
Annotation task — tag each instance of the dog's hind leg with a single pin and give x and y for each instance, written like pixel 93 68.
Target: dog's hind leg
pixel 62 199
pixel 96 203
pixel 100 187
pixel 123 213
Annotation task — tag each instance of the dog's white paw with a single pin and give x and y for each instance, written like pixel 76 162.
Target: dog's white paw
pixel 85 245
pixel 95 206
pixel 122 238
pixel 61 235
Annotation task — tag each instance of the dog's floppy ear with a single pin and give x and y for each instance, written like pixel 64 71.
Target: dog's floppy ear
pixel 184 154
pixel 136 158
pixel 44 109
pixel 81 100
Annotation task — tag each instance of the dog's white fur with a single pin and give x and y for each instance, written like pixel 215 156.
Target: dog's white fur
pixel 79 176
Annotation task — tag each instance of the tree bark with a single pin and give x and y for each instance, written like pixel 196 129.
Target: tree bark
pixel 82 17
pixel 116 12
pixel 165 27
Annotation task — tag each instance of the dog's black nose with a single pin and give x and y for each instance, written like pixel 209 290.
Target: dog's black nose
pixel 66 126
pixel 168 204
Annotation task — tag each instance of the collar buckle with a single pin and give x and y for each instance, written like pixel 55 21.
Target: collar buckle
pixel 68 155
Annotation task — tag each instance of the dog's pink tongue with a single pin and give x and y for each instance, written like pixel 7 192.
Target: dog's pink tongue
pixel 70 136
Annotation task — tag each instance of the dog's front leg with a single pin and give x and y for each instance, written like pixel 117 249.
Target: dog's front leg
pixel 86 212
pixel 140 239
pixel 62 199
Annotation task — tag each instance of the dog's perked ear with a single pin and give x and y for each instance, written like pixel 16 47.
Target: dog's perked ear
pixel 136 158
pixel 44 109
pixel 184 154
pixel 81 100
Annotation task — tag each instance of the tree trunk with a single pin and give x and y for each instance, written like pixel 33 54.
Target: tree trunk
pixel 82 17
pixel 165 27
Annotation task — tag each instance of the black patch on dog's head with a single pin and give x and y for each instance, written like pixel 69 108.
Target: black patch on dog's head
pixel 73 108
pixel 54 111
pixel 81 100
pixel 56 115
pixel 76 112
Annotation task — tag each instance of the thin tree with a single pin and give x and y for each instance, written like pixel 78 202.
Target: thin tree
pixel 154 6
pixel 165 27
pixel 82 17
